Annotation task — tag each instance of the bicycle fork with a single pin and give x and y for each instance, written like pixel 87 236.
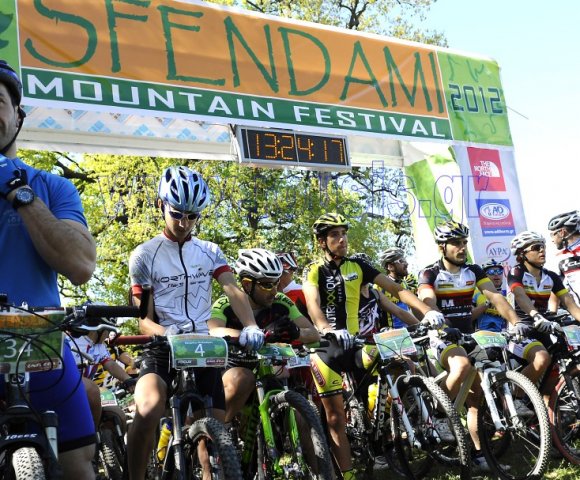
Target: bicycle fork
pixel 498 422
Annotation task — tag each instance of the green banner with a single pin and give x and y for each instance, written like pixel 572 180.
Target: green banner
pixel 475 99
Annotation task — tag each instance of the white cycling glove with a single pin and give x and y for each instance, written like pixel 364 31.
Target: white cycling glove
pixel 172 330
pixel 252 338
pixel 345 339
pixel 435 318
pixel 542 324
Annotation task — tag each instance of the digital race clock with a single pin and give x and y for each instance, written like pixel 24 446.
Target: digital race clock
pixel 288 148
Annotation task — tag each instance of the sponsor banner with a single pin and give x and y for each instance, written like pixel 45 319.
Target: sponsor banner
pixel 217 64
pixel 445 186
pixel 495 217
pixel 492 201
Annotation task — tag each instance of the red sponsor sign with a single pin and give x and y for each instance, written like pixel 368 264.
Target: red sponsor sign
pixel 486 170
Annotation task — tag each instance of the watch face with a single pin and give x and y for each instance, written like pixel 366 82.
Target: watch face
pixel 25 196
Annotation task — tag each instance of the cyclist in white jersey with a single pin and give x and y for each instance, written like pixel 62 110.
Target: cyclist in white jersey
pixel 565 233
pixel 179 268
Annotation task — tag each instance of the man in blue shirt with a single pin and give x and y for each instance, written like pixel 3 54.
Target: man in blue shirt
pixel 43 233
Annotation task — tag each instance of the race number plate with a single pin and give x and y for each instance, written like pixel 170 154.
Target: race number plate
pixel 277 351
pixel 190 350
pixel 299 361
pixel 572 335
pixel 487 339
pixel 108 398
pixel 394 343
pixel 27 345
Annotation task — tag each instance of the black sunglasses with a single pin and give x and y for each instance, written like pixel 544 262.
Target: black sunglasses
pixel 267 286
pixel 538 247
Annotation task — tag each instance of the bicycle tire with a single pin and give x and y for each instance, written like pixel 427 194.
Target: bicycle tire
pixel 526 441
pixel 223 455
pixel 109 458
pixel 27 464
pixel 294 465
pixel 356 432
pixel 417 460
pixel 564 413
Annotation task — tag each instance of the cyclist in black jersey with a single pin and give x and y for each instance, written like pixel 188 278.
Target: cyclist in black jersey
pixel 259 271
pixel 530 286
pixel 332 290
pixel 449 285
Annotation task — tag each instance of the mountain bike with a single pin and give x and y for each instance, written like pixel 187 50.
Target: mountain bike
pixel 402 423
pixel 32 340
pixel 181 459
pixel 564 403
pixel 521 441
pixel 282 436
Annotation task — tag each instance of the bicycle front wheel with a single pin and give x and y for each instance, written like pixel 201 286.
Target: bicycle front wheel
pixel 209 447
pixel 523 441
pixel 300 447
pixel 110 458
pixel 27 464
pixel 427 407
pixel 564 414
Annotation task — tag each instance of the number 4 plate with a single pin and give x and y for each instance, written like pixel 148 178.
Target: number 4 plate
pixel 192 350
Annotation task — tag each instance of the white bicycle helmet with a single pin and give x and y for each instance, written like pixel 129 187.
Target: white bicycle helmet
pixel 525 239
pixel 184 189
pixel 287 258
pixel 390 255
pixel 259 264
pixel 449 231
pixel 567 219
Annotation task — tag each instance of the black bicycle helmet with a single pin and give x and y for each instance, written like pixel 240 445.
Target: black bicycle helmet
pixel 328 221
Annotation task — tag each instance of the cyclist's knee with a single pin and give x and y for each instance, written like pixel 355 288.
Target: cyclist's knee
pixel 239 379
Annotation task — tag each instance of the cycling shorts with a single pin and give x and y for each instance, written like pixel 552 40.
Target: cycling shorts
pixel 522 349
pixel 208 380
pixel 63 392
pixel 328 364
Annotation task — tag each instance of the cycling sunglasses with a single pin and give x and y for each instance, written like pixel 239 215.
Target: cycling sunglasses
pixel 538 247
pixel 494 271
pixel 267 286
pixel 177 215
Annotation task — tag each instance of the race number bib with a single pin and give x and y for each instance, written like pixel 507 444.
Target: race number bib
pixel 394 343
pixel 27 343
pixel 190 350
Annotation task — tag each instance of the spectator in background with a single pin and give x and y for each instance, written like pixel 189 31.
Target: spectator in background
pixel 484 313
pixel 288 286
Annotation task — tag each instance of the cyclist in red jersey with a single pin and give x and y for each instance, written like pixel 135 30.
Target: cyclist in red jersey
pixel 288 286
pixel 565 233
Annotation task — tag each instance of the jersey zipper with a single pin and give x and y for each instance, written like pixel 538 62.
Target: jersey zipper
pixel 185 299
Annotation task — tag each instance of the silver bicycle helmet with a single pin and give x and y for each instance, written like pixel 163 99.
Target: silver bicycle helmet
pixel 524 239
pixel 567 219
pixel 391 255
pixel 449 231
pixel 287 258
pixel 489 264
pixel 259 264
pixel 184 189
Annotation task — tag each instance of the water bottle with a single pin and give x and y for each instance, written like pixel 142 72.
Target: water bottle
pixel 164 436
pixel 373 389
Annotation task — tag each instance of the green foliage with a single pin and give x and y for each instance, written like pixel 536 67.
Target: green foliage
pixel 384 17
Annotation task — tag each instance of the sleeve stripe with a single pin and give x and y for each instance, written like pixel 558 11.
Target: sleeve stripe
pixel 220 270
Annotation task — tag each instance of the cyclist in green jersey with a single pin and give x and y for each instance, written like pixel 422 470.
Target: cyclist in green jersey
pixel 332 290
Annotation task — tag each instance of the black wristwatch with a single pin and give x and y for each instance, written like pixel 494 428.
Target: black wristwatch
pixel 24 196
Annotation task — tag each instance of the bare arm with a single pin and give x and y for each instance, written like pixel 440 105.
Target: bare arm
pixel 238 299
pixel 316 314
pixel 500 303
pixel 393 309
pixel 308 333
pixel 428 297
pixel 570 305
pixel 553 303
pixel 147 325
pixel 116 370
pixel 405 296
pixel 523 301
pixel 65 245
